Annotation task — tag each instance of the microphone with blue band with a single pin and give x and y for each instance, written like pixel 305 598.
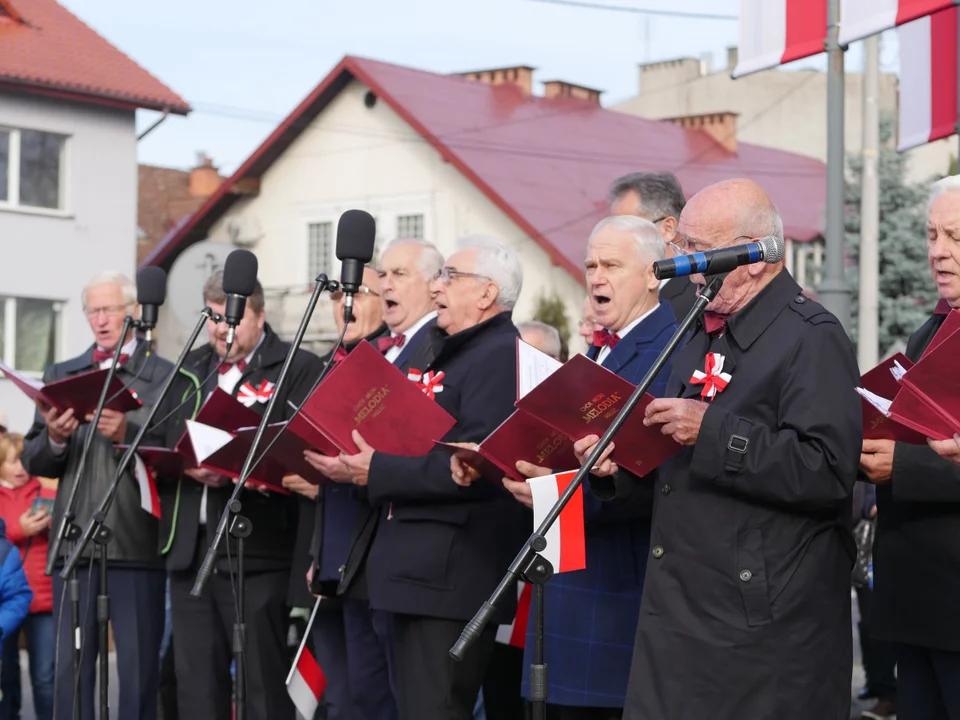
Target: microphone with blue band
pixel 713 262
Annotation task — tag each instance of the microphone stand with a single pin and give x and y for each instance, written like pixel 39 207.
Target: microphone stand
pixel 240 526
pixel 68 530
pixel 97 532
pixel 536 569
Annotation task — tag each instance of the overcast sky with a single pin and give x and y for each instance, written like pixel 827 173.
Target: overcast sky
pixel 244 64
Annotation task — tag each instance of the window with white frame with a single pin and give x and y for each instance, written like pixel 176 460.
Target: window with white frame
pixel 319 249
pixel 410 227
pixel 29 332
pixel 31 169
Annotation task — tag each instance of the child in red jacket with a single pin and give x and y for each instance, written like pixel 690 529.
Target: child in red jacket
pixel 26 507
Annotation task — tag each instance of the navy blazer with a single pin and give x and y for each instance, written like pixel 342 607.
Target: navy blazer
pixel 591 615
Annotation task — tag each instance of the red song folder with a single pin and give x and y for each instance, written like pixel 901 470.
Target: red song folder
pixel 78 392
pixel 287 451
pixel 582 398
pixel 162 461
pixel 951 323
pixel 367 393
pixel 520 437
pixel 935 382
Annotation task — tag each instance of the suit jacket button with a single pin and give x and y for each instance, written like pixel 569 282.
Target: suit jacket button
pixel 745 575
pixel 666 489
pixel 658 551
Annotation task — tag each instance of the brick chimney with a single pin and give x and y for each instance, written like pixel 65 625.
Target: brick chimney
pixel 721 126
pixel 561 88
pixel 520 75
pixel 204 178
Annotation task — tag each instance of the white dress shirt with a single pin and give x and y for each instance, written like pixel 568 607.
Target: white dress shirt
pixel 393 353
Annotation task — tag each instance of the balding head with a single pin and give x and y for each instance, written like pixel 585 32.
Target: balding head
pixel 731 212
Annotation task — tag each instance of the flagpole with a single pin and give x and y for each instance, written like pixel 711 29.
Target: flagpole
pixel 303 641
pixel 834 292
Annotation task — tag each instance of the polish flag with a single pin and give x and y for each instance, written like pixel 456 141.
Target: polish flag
pixel 306 685
pixel 149 499
pixel 863 18
pixel 515 634
pixel 775 32
pixel 928 79
pixel 566 548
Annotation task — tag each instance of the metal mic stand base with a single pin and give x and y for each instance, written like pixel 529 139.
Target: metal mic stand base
pixel 101 539
pixel 71 534
pixel 538 572
pixel 240 528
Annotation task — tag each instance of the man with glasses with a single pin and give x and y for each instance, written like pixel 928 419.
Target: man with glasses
pixel 657 197
pixel 203 627
pixel 441 548
pixel 746 597
pixel 136 580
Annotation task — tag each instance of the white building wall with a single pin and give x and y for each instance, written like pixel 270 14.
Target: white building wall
pixel 52 255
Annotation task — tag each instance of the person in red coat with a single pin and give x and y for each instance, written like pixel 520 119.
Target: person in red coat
pixel 27 517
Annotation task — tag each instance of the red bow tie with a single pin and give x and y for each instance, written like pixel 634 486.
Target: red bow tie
pixel 943 308
pixel 604 337
pixel 339 355
pixel 227 367
pixel 100 355
pixel 385 343
pixel 714 323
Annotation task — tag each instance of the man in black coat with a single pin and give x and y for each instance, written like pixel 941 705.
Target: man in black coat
pixel 746 599
pixel 441 548
pixel 657 197
pixel 916 556
pixel 136 578
pixel 204 626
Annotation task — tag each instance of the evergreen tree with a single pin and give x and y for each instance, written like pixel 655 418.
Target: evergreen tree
pixel 551 310
pixel 907 294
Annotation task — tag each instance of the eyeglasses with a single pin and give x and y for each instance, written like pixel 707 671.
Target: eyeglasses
pixel 111 311
pixel 687 245
pixel 337 295
pixel 446 275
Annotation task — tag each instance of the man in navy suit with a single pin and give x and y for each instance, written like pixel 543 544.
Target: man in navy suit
pixel 591 614
pixel 406 268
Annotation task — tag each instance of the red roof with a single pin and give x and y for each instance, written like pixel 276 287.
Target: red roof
pixel 547 163
pixel 46 48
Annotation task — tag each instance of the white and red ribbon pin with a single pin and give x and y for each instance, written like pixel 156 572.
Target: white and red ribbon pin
pixel 249 395
pixel 712 377
pixel 429 382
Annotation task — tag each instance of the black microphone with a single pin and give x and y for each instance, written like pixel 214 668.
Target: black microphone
pixel 239 281
pixel 151 292
pixel 356 236
pixel 713 262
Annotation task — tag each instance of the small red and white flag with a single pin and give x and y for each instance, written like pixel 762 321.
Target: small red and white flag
pixel 928 79
pixel 566 546
pixel 250 395
pixel 515 634
pixel 775 32
pixel 306 684
pixel 149 498
pixel 862 18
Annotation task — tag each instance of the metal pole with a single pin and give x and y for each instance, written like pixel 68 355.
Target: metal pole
pixel 869 326
pixel 956 5
pixel 834 291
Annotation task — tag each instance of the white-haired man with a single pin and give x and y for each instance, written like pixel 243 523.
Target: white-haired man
pixel 543 337
pixel 443 548
pixel 137 579
pixel 916 557
pixel 746 598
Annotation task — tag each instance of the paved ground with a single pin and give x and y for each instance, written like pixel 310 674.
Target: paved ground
pixel 27 712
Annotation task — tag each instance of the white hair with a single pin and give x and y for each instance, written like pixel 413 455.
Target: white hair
pixel 499 262
pixel 551 336
pixel 127 288
pixel 430 260
pixel 950 183
pixel 649 242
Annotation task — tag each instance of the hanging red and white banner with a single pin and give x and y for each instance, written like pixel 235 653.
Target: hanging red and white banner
pixel 566 546
pixel 515 634
pixel 306 685
pixel 863 18
pixel 775 32
pixel 928 79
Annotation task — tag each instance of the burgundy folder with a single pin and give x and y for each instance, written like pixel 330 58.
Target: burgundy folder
pixel 162 461
pixel 582 398
pixel 79 392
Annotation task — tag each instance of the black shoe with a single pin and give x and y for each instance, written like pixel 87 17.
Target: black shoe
pixel 868 693
pixel 883 710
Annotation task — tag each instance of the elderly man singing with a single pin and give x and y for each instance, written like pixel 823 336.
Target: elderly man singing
pixel 443 548
pixel 746 601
